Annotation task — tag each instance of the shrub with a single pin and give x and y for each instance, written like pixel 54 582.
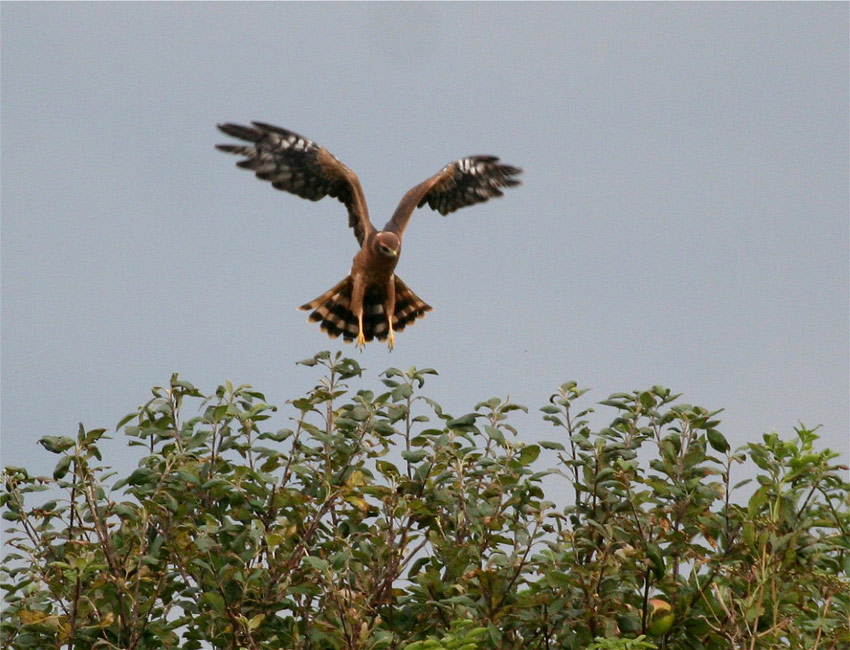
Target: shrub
pixel 380 521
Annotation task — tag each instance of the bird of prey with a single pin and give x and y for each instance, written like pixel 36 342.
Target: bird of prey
pixel 371 302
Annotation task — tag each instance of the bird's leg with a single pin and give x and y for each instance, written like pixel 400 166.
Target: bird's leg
pixel 391 337
pixel 389 310
pixel 357 290
pixel 361 340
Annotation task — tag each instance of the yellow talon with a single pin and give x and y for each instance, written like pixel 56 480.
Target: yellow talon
pixel 361 340
pixel 391 337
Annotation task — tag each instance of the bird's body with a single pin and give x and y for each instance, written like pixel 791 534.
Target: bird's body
pixel 371 290
pixel 371 302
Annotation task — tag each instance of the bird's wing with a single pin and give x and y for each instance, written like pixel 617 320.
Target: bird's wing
pixel 464 182
pixel 295 164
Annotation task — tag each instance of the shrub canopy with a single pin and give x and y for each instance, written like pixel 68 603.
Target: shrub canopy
pixel 381 521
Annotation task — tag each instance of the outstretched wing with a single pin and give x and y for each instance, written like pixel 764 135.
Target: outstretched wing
pixel 464 182
pixel 295 164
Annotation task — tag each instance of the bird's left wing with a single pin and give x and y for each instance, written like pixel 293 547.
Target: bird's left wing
pixel 464 182
pixel 293 163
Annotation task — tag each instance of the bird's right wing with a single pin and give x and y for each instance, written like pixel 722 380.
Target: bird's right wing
pixel 297 165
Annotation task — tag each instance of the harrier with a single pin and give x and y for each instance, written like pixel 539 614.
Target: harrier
pixel 371 302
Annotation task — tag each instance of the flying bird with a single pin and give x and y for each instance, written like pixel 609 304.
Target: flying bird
pixel 371 302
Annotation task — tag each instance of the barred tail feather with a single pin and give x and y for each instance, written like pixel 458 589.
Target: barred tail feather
pixel 332 310
pixel 408 306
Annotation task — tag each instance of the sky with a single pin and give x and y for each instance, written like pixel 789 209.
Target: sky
pixel 683 217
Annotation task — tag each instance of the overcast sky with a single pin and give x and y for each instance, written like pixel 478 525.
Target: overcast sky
pixel 683 218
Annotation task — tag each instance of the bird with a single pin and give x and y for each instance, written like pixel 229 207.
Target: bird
pixel 371 302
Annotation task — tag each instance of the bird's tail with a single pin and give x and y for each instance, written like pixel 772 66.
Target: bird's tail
pixel 332 310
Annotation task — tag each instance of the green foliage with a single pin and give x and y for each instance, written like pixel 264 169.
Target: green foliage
pixel 640 643
pixel 380 521
pixel 464 635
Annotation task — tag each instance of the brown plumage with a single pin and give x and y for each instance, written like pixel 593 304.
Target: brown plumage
pixel 371 302
pixel 333 310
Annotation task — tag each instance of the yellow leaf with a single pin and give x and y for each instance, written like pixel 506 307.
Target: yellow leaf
pixel 359 503
pixel 30 617
pixel 184 540
pixel 355 479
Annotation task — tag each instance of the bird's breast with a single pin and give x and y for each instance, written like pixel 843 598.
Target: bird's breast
pixel 373 267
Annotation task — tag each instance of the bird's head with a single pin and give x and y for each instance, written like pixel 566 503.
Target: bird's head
pixel 387 244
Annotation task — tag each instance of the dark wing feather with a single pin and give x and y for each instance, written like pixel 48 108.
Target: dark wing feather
pixel 294 164
pixel 464 182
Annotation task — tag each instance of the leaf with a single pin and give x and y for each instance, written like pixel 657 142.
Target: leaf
pixel 387 468
pixel 188 476
pixel 494 433
pixel 62 467
pixel 604 474
pixel 557 579
pixel 615 403
pixel 464 422
pixel 717 441
pixel 56 444
pixel 32 617
pixel 655 557
pixel 91 435
pixel 417 566
pixel 629 623
pixel 529 454
pixel 140 476
pixel 214 600
pixel 316 563
pixel 548 444
pixel 302 404
pixel 647 400
pixel 402 392
pixel 758 500
pixel 413 456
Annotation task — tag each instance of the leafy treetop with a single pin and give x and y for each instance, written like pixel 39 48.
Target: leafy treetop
pixel 381 521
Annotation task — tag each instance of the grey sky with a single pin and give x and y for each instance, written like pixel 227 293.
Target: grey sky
pixel 683 219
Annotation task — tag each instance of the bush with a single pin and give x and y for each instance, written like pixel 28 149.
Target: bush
pixel 380 521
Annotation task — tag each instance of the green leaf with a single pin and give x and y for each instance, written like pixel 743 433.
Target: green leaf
pixel 615 403
pixel 56 444
pixel 529 454
pixel 548 444
pixel 62 467
pixel 758 500
pixel 386 468
pixel 647 400
pixel 494 433
pixel 141 476
pixel 316 563
pixel 414 456
pixel 717 441
pixel 214 600
pixel 464 422
pixel 657 560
